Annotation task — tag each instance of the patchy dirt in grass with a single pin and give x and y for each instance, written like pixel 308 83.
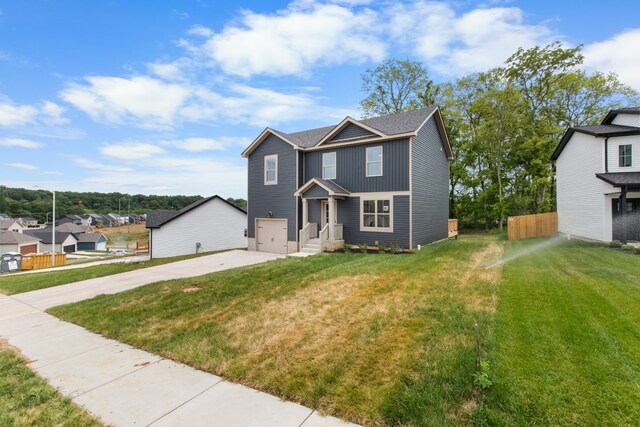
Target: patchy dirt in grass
pixel 191 289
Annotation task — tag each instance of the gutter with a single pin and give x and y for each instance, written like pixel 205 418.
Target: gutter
pixel 606 155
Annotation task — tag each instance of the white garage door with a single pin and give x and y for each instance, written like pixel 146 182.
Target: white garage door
pixel 271 235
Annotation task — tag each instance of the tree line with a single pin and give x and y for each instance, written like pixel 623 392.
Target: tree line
pixel 503 124
pixel 22 202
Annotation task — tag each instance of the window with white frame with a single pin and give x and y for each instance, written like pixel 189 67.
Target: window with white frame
pixel 624 155
pixel 374 161
pixel 377 215
pixel 271 169
pixel 329 165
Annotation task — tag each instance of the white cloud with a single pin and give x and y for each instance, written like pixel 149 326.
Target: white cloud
pixel 294 40
pixel 23 166
pixel 131 151
pixel 152 102
pixel 456 44
pixel 91 164
pixel 619 54
pixel 53 113
pixel 53 173
pixel 19 142
pixel 16 115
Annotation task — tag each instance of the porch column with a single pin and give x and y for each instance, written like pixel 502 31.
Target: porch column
pixel 305 212
pixel 623 213
pixel 332 219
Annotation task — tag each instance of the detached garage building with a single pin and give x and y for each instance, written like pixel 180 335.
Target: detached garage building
pixel 92 242
pixel 210 224
pixel 65 242
pixel 12 241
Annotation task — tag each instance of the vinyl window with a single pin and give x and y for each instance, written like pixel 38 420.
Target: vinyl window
pixel 271 169
pixel 374 161
pixel 329 165
pixel 377 215
pixel 624 155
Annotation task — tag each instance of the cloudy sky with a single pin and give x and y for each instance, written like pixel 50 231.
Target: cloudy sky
pixel 161 97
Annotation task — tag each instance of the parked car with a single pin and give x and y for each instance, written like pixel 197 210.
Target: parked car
pixel 121 252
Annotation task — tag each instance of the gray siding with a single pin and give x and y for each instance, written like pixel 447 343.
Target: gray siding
pixel 351 167
pixel 349 216
pixel 316 192
pixel 351 131
pixel 278 199
pixel 315 215
pixel 430 186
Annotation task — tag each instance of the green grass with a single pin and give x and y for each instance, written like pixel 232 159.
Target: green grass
pixel 566 344
pixel 14 284
pixel 26 400
pixel 377 339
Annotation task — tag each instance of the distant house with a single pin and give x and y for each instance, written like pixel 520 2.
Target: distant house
pixel 11 241
pixel 28 222
pixel 11 225
pixel 92 242
pixel 4 216
pixel 209 224
pixel 73 219
pixel 598 179
pixel 65 242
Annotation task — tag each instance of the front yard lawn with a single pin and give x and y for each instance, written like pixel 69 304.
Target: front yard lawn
pixel 376 339
pixel 26 400
pixel 566 344
pixel 18 283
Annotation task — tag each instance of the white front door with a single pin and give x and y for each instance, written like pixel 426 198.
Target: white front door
pixel 325 212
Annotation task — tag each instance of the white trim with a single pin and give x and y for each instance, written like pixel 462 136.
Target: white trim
pixel 266 159
pixel 375 200
pixel 441 129
pixel 381 194
pixel 255 227
pixel 343 124
pixel 410 193
pixel 335 164
pixel 265 133
pixel 314 181
pixel 366 161
pixel 398 137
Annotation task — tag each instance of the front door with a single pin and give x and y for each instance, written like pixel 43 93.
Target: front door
pixel 325 213
pixel 631 220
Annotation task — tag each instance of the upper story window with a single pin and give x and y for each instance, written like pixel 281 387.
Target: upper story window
pixel 329 165
pixel 271 169
pixel 624 155
pixel 374 161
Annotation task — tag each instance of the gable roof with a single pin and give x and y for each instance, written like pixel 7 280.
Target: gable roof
pixel 159 218
pixel 91 237
pixel 73 228
pixel 6 223
pixel 611 115
pixel 605 131
pixel 45 236
pixel 12 238
pixel 403 123
pixel 331 187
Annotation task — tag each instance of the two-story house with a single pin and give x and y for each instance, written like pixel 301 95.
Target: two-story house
pixel 598 179
pixel 379 181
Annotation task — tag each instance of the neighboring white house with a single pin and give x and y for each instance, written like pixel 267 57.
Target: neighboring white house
pixel 11 241
pixel 210 224
pixel 598 179
pixel 65 242
pixel 11 225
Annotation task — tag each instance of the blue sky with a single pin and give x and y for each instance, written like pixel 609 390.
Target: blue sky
pixel 161 97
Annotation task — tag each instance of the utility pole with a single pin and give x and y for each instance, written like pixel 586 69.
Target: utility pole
pixel 129 219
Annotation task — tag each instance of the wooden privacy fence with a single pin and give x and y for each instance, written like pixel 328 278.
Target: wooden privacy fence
pixel 453 228
pixel 37 261
pixel 526 226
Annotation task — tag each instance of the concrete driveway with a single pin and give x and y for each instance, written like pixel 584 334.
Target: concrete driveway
pixel 125 386
pixel 50 297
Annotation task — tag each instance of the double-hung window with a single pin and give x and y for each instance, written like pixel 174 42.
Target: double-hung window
pixel 374 161
pixel 271 169
pixel 329 165
pixel 624 156
pixel 376 215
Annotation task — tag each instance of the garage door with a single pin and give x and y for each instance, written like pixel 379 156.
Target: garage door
pixel 29 249
pixel 271 235
pixel 69 249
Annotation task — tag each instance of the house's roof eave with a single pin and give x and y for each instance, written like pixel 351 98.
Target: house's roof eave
pixel 343 124
pixel 362 141
pixel 336 191
pixel 611 115
pixel 598 131
pixel 265 133
pixel 446 144
pixel 188 208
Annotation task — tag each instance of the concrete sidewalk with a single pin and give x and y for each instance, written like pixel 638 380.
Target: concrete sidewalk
pixel 113 260
pixel 124 386
pixel 78 291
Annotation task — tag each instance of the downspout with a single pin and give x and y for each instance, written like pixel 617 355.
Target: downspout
pixel 606 155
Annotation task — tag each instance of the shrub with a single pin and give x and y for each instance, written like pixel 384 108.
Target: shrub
pixel 346 247
pixel 363 247
pixel 381 249
pixel 396 249
pixel 481 378
pixel 615 244
pixel 629 248
pixel 637 250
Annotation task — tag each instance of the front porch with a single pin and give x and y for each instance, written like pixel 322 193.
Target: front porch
pixel 323 233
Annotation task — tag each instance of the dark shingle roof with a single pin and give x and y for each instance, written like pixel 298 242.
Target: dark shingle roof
pixel 45 236
pixel 159 218
pixel 90 237
pixel 332 186
pixel 392 124
pixel 621 179
pixel 613 113
pixel 12 237
pixel 70 227
pixel 595 130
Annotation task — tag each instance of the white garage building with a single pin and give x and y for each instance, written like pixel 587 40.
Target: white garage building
pixel 210 224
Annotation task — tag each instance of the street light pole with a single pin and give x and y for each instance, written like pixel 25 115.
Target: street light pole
pixel 53 232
